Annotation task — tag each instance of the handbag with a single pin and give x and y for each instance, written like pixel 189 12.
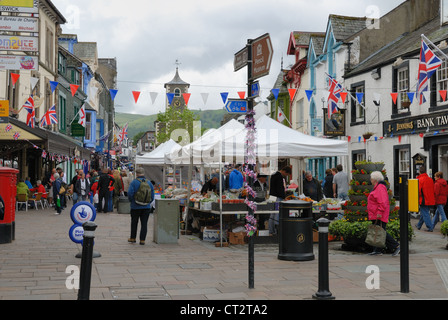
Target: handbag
pixel 62 190
pixel 376 236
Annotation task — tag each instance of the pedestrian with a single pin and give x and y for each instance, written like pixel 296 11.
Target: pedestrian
pixel 57 184
pixel 441 195
pixel 278 190
pixel 118 187
pixel 140 198
pixel 340 184
pixel 126 182
pixel 328 184
pixel 236 179
pixel 75 178
pixel 311 187
pixel 103 190
pixel 110 202
pixel 426 199
pixel 82 187
pixel 210 185
pixel 378 209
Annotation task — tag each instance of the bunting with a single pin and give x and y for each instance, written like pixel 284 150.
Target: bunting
pixel 136 95
pixel 14 78
pixel 186 97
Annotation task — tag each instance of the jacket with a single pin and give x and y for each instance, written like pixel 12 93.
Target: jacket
pixel 133 188
pixel 441 191
pixel 40 189
pixel 312 189
pixel 104 182
pixel 236 180
pixel 22 188
pixel 78 187
pixel 277 186
pixel 378 203
pixel 426 190
pixel 56 187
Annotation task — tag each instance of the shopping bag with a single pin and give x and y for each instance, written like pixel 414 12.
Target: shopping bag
pixel 376 236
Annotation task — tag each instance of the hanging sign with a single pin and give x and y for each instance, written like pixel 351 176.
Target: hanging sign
pixel 10 62
pixel 335 126
pixel 262 53
pixel 20 24
pixel 20 6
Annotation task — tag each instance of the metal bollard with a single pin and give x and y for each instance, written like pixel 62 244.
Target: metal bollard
pixel 86 260
pixel 324 292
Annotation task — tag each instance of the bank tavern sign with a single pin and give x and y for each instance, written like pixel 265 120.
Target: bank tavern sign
pixel 410 125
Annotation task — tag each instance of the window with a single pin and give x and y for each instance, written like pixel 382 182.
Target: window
pixel 402 166
pixel 404 162
pixel 442 79
pixel 358 114
pixel 74 76
pixel 49 48
pixel 62 63
pixel 177 92
pixel 62 113
pixel 403 88
pixel 88 126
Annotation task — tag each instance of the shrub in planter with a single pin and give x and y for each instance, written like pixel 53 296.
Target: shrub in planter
pixel 444 228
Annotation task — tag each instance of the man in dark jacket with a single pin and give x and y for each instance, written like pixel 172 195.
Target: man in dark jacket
pixel 311 187
pixel 277 189
pixel 104 182
pixel 328 185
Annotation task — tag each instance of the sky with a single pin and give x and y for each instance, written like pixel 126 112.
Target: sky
pixel 148 36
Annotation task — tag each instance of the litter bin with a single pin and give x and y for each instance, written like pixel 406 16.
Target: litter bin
pixel 124 205
pixel 296 231
pixel 8 192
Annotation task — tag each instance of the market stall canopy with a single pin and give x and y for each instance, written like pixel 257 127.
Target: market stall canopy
pixel 204 149
pixel 158 155
pixel 277 141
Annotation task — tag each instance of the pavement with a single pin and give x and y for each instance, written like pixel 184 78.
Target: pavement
pixel 36 266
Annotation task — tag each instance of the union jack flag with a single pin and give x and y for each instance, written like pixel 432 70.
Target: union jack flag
pixel 8 128
pixel 44 154
pixel 335 94
pixel 31 116
pixel 82 116
pixel 429 63
pixel 123 134
pixel 49 117
pixel 16 136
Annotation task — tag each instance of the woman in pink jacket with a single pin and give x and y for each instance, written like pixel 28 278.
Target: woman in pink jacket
pixel 378 209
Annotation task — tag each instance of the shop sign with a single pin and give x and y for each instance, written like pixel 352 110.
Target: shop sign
pixel 20 6
pixel 335 126
pixel 77 130
pixel 11 62
pixel 16 43
pixel 423 123
pixel 20 24
pixel 4 111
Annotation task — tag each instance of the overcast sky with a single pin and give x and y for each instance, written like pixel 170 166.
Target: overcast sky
pixel 148 36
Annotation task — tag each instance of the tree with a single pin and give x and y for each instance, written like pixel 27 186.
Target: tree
pixel 178 125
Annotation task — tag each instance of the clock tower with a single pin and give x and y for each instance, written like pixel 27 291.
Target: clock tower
pixel 177 87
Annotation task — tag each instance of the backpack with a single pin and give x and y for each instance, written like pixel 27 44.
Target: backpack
pixel 143 195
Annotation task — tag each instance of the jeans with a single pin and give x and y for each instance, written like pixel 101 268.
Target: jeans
pixel 424 217
pixel 274 220
pixel 75 198
pixel 143 216
pixel 391 243
pixel 110 205
pixel 439 211
pixel 343 196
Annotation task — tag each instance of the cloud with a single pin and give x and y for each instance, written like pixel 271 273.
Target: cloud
pixel 147 37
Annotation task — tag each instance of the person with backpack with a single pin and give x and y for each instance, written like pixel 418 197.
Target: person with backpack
pixel 140 195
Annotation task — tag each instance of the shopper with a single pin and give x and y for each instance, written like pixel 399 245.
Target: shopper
pixel 426 199
pixel 57 184
pixel 236 179
pixel 140 208
pixel 378 209
pixel 75 178
pixel 311 187
pixel 440 194
pixel 340 184
pixel 118 188
pixel 277 189
pixel 104 182
pixel 210 185
pixel 82 187
pixel 328 184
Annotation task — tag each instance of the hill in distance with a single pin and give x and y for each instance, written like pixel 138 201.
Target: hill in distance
pixel 138 123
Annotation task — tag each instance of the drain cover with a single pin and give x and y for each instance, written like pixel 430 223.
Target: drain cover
pixel 139 293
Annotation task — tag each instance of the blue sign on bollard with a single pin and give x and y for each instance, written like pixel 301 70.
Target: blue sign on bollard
pixel 236 106
pixel 83 212
pixel 76 233
pixel 255 89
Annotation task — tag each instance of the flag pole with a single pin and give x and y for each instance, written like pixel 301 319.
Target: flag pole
pixel 436 47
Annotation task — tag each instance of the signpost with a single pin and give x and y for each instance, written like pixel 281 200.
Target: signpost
pixel 260 53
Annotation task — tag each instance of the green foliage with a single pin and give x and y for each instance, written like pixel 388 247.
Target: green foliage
pixel 444 228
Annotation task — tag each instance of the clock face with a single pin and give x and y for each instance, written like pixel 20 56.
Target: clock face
pixel 177 103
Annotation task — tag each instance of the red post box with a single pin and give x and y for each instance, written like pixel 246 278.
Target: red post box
pixel 8 192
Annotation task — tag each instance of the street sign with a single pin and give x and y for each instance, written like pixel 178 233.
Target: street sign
pixel 255 89
pixel 240 60
pixel 236 106
pixel 262 53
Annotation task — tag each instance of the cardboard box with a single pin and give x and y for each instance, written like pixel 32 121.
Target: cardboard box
pixel 237 237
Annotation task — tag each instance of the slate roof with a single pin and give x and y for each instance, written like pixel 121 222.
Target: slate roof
pixel 344 26
pixel 318 43
pixel 406 45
